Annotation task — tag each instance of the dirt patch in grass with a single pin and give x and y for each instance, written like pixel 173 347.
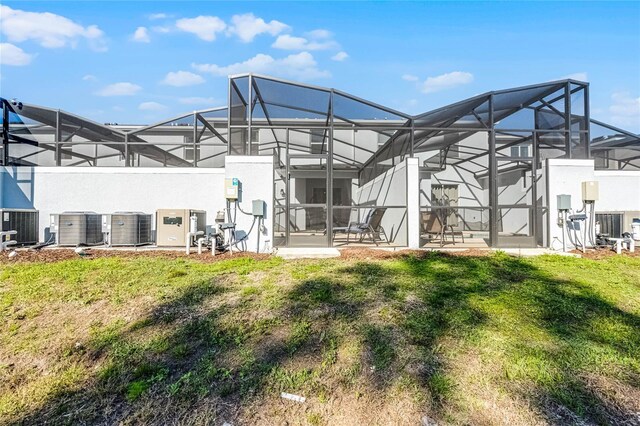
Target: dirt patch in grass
pixel 60 254
pixel 605 253
pixel 373 254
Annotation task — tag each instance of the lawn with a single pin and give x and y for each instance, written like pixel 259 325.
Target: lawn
pixel 400 340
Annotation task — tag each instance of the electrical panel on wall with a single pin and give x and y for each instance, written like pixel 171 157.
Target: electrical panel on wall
pixel 590 191
pixel 231 188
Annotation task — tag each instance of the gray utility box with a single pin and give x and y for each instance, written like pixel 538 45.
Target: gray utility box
pixel 564 201
pixel 258 208
pixel 23 221
pixel 128 228
pixel 172 226
pixel 77 228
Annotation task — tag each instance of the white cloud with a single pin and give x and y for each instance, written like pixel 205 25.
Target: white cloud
pixel 141 35
pixel 300 65
pixel 446 81
pixel 48 29
pixel 340 56
pixel 319 34
pixel 205 27
pixel 625 110
pixel 119 89
pixel 580 76
pixel 287 42
pixel 13 55
pixel 410 77
pixel 182 79
pixel 156 16
pixel 151 106
pixel 196 100
pixel 90 77
pixel 248 26
pixel 162 30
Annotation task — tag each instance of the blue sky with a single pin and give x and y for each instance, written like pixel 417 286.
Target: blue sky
pixel 138 62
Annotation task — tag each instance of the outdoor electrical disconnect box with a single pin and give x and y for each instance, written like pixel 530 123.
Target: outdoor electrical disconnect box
pixel 590 191
pixel 258 208
pixel 564 201
pixel 172 226
pixel 231 187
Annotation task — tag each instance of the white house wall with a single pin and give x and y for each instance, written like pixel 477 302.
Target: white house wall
pixel 106 190
pixel 619 191
pixel 256 179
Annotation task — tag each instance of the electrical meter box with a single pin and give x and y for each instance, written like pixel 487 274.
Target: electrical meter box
pixel 258 208
pixel 564 201
pixel 231 188
pixel 590 191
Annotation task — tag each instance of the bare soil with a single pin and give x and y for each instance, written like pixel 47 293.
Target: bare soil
pixel 369 254
pixel 58 254
pixel 604 253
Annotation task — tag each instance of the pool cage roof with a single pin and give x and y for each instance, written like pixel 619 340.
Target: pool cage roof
pixel 554 114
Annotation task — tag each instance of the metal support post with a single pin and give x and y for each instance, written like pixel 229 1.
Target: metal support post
pixel 493 179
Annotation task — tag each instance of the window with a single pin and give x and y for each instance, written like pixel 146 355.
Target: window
pixel 189 150
pixel 444 195
pixel 317 141
pixel 520 151
pixel 188 153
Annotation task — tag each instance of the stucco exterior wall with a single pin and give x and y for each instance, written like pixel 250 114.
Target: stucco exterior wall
pixel 106 190
pixel 619 191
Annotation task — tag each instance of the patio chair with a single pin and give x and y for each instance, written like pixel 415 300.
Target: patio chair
pixel 371 227
pixel 436 224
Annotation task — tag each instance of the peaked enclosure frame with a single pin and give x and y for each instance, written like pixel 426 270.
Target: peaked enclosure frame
pixel 338 156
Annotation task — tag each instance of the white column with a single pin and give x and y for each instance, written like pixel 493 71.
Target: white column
pixel 413 203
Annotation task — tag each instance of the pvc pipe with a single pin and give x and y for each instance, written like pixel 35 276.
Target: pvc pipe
pixel 190 236
pixel 5 244
pixel 193 224
pixel 200 241
pixel 564 230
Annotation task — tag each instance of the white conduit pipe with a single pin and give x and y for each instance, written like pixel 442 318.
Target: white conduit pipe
pixel 190 236
pixel 200 241
pixel 4 245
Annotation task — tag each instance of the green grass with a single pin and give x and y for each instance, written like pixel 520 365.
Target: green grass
pixel 463 340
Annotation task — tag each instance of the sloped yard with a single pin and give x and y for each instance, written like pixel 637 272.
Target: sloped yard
pixel 402 339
